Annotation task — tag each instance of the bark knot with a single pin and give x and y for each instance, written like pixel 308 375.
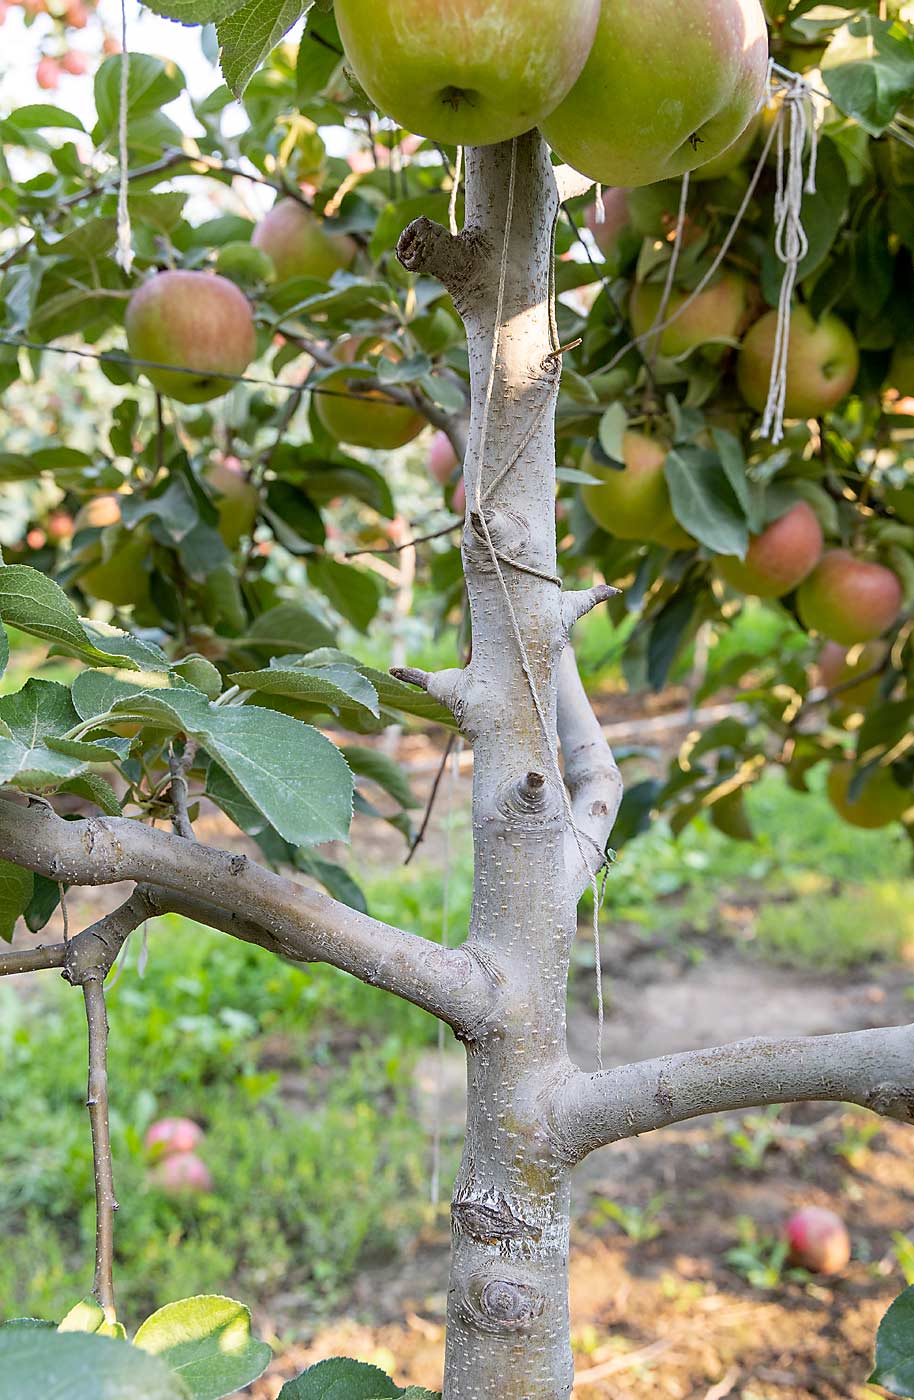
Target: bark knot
pixel 504 1305
pixel 489 1219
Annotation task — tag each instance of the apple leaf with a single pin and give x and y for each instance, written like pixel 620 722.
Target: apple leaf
pixel 207 1342
pixel 380 769
pixel 704 501
pixel 895 1347
pixel 354 593
pixel 36 605
pixel 151 83
pixel 296 777
pixel 35 1361
pixel 340 1379
pixel 16 887
pixel 250 33
pixel 33 755
pixel 869 71
pixel 336 686
pixel 89 1316
pixel 193 11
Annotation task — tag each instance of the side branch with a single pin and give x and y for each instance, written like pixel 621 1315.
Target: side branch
pixel 872 1068
pixel 233 893
pixel 591 774
pixel 97 1104
pixel 426 247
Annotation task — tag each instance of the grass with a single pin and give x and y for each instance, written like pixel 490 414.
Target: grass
pixel 299 1077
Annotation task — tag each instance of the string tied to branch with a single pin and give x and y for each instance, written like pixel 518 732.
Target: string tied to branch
pixel 796 177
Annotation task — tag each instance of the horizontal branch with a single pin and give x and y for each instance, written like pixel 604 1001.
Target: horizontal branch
pixel 235 894
pixel 872 1068
pixel 93 951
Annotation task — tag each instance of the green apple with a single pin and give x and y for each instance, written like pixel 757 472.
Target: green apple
pixel 880 801
pixel 822 363
pixel 632 502
pixel 196 320
pixel 730 159
pixel 849 600
pixel 365 417
pixel 669 85
pixel 467 72
pixel 237 499
pixel 779 558
pixel 715 314
pixel 300 244
pixel 122 579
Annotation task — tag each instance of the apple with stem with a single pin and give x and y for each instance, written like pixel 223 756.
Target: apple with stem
pixel 468 72
pixel 822 363
pixel 849 599
pixel 300 244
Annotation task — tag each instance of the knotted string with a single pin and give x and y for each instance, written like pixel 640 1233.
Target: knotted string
pixel 124 254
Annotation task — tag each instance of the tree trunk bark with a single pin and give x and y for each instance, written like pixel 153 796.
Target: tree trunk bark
pixel 508 1321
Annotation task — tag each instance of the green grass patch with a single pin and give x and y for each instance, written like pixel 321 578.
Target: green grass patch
pixel 299 1077
pixel 838 932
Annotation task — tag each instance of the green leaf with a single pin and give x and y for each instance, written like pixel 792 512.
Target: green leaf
pixel 45 899
pixel 193 11
pixel 296 777
pixel 207 1342
pixel 335 685
pixel 40 114
pixel 340 1379
pixel 354 593
pixel 30 717
pixel 75 1366
pixel 151 83
pixel 95 789
pixel 287 627
pixel 612 430
pixel 249 35
pixel 16 887
pixel 869 71
pixel 397 695
pixel 704 501
pixel 4 651
pixel 371 763
pixel 335 880
pixel 895 1347
pixel 89 1316
pixel 36 605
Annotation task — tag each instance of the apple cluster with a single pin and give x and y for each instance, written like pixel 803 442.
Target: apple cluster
pixel 586 73
pixel 176 1169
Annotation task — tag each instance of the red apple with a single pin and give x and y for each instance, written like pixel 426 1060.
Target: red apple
pixel 668 85
pixel 822 363
pixel 779 558
pixel 442 459
pixel 182 1174
pixel 196 320
pixel 47 74
pixel 300 243
pixel 74 62
pixel 849 600
pixel 467 72
pixel 818 1240
pixel 168 1136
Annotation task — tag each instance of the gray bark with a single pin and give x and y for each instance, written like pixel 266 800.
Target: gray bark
pixel 538 841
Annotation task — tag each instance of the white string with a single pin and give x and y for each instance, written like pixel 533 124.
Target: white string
pixel 721 253
pixel 599 209
pixel 449 790
pixel 124 253
pixel 455 190
pixel 671 269
pixel 791 243
pixel 512 615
